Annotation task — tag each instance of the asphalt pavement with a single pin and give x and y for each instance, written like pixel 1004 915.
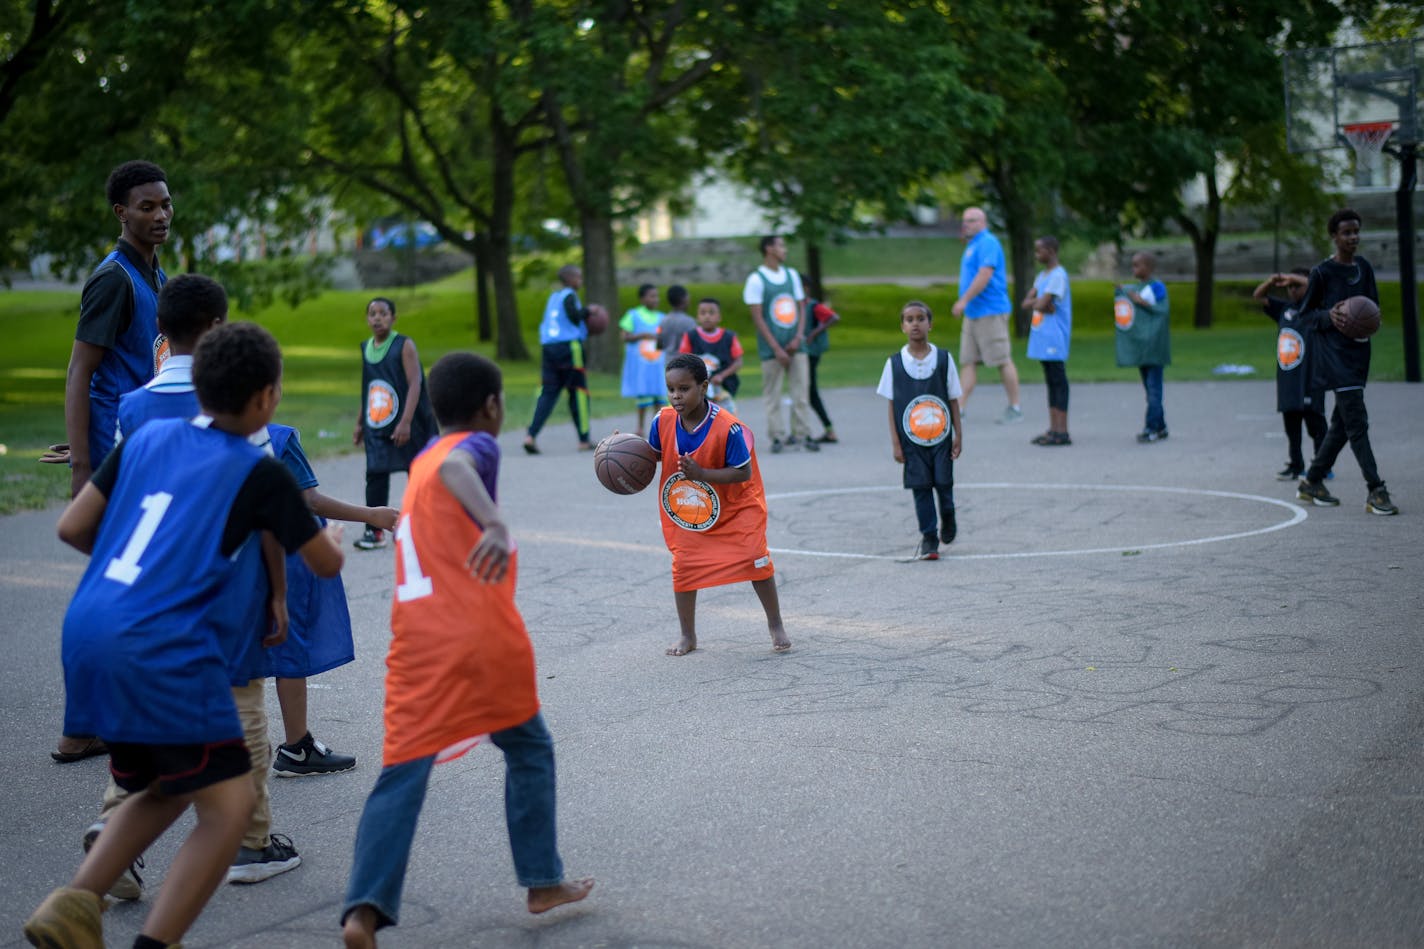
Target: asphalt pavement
pixel 1146 698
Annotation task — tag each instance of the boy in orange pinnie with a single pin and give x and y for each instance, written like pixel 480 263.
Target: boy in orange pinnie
pixel 452 682
pixel 713 509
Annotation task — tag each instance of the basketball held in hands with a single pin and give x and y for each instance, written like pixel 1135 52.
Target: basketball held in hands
pixel 624 463
pixel 1356 317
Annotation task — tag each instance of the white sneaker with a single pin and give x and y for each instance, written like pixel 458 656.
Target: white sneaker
pixel 1011 414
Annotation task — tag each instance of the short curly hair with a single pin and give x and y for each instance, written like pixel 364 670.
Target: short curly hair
pixel 188 305
pixel 233 363
pixel 460 385
pixel 129 176
pixel 689 363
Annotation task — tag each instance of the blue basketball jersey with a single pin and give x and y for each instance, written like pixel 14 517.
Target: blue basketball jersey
pixel 133 361
pixel 144 405
pixel 143 661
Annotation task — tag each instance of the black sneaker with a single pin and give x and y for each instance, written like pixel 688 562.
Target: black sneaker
pixel 928 549
pixel 1289 473
pixel 812 444
pixel 373 539
pixel 129 886
pixel 1147 437
pixel 776 446
pixel 254 866
pixel 1315 492
pixel 1379 502
pixel 309 756
pixel 948 529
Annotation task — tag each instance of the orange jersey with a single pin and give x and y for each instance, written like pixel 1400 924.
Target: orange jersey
pixel 716 532
pixel 461 664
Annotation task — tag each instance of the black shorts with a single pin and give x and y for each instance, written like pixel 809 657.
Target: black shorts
pixel 177 769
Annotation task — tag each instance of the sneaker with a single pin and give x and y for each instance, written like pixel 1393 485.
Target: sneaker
pixel 948 529
pixel 1315 492
pixel 309 756
pixel 254 866
pixel 812 445
pixel 1147 437
pixel 1011 414
pixel 1288 473
pixel 776 446
pixel 129 886
pixel 373 539
pixel 68 917
pixel 928 549
pixel 1379 502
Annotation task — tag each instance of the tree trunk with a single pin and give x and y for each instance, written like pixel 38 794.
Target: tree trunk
pixel 1204 237
pixel 1018 227
pixel 484 325
pixel 600 283
pixel 813 287
pixel 509 338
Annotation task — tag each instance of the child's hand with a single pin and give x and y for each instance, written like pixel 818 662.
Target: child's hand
pixel 384 518
pixel 955 446
pixel 401 435
pixel 899 453
pixel 356 435
pixel 488 561
pixel 690 468
pixel 277 610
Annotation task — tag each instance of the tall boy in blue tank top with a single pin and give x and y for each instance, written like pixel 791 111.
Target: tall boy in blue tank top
pixel 117 346
pixel 563 332
pixel 143 648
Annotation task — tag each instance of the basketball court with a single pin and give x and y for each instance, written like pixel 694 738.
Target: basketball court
pixel 1145 699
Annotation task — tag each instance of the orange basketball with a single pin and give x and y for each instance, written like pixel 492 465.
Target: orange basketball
pixel 597 319
pixel 624 463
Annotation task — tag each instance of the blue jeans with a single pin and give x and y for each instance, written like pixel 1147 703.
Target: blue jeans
pixel 387 827
pixel 1152 382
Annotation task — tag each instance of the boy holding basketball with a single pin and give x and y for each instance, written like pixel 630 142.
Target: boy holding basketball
pixel 923 388
pixel 461 666
pixel 1342 364
pixel 713 508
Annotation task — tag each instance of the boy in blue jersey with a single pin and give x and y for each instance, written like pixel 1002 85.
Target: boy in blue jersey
pixel 1050 329
pixel 144 660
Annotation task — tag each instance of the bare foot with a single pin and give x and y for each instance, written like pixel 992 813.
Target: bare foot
pixel 544 898
pixel 359 930
pixel 684 646
pixel 780 642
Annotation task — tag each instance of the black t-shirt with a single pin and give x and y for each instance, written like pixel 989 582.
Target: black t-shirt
pixel 106 305
pixel 1331 281
pixel 268 500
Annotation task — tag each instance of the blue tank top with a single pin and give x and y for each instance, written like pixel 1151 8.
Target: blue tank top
pixel 133 360
pixel 556 327
pixel 143 660
pixel 144 405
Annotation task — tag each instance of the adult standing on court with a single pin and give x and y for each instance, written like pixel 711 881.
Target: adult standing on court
pixel 117 345
pixel 1141 314
pixel 562 334
pixel 777 301
pixel 984 304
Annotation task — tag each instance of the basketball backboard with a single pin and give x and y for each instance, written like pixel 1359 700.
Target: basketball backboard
pixel 1331 88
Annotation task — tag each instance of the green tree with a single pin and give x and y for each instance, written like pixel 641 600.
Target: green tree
pixel 843 114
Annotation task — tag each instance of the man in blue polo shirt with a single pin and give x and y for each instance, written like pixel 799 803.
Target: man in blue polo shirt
pixel 984 304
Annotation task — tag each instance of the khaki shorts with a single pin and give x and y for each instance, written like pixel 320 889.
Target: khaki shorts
pixel 985 340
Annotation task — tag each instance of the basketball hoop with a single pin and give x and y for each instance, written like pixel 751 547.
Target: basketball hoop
pixel 1367 138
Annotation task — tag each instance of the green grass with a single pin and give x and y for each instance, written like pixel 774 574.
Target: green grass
pixel 320 340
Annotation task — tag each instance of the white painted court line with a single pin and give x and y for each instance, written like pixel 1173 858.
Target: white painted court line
pixel 1297 512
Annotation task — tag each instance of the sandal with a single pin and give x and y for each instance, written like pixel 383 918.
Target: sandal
pixel 92 748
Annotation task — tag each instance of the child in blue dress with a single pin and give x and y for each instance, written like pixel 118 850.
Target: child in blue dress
pixel 642 360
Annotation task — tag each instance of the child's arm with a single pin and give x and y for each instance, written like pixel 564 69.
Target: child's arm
pixel 895 437
pixel 79 524
pixel 274 558
pixel 410 362
pixel 729 370
pixel 1030 299
pixel 488 560
pixel 1262 290
pixel 322 554
pixel 958 443
pixel 696 472
pixel 383 518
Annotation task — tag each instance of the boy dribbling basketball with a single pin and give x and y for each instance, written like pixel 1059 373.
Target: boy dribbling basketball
pixel 451 681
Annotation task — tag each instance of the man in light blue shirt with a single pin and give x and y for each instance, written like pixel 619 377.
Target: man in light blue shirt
pixel 984 304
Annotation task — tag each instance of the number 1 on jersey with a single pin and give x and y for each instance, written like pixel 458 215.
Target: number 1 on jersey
pixel 124 568
pixel 416 584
